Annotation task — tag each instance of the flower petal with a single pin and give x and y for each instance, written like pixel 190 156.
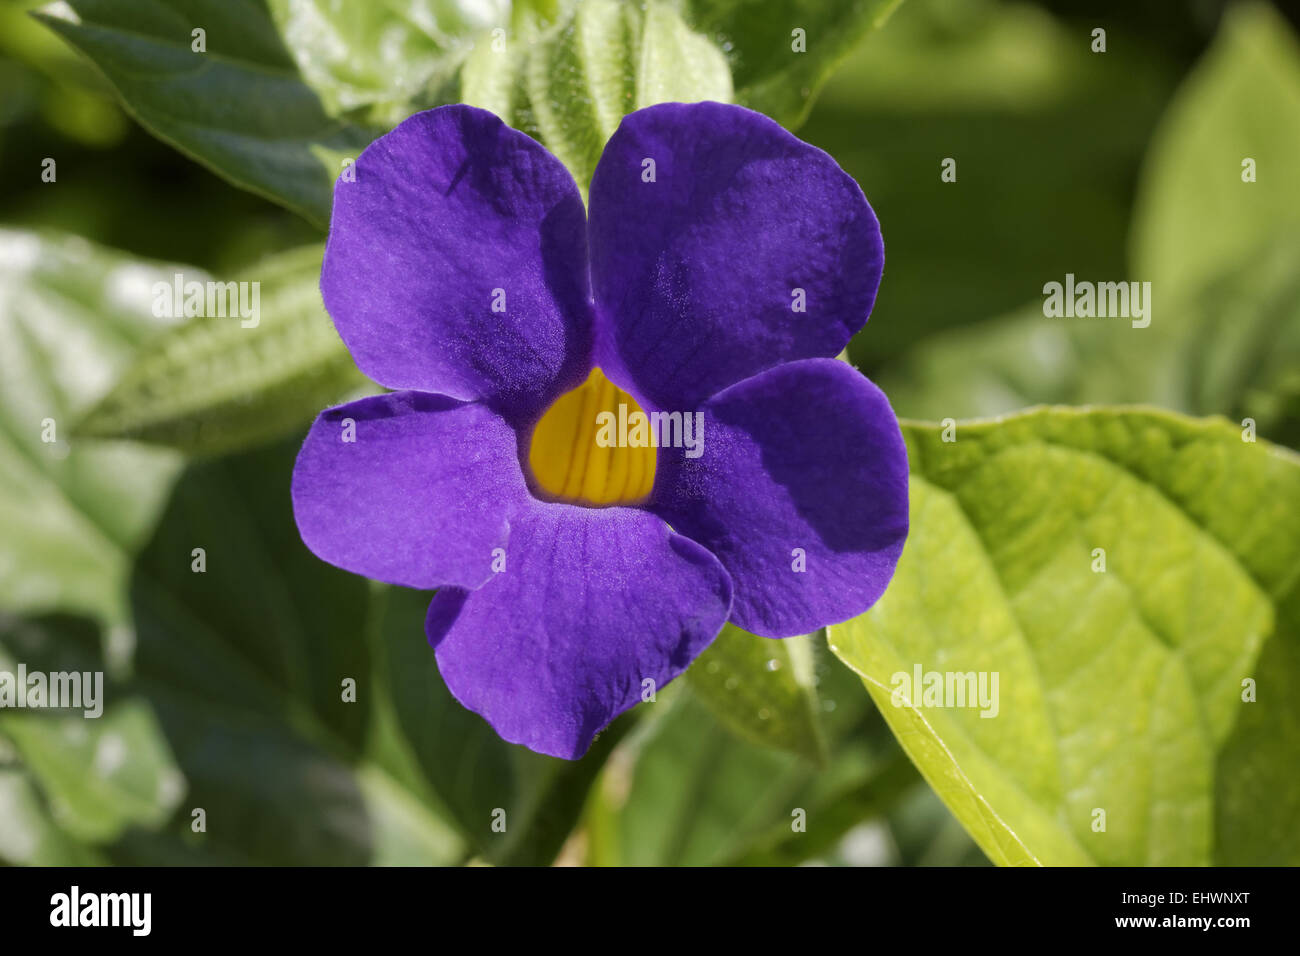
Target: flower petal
pixel 593 602
pixel 697 275
pixel 457 262
pixel 806 456
pixel 420 498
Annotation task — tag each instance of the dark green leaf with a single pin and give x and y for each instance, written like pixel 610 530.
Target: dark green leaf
pixel 282 97
pixel 472 771
pixel 245 663
pixel 1013 96
pixel 1225 321
pixel 687 791
pixel 239 108
pixel 774 70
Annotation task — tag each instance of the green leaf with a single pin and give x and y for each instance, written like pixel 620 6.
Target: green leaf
pixel 684 789
pixel 868 795
pixel 572 82
pixel 383 59
pixel 1025 358
pixel 212 385
pixel 240 107
pixel 28 837
pixel 71 317
pixel 1231 290
pixel 100 776
pixel 770 75
pixel 694 794
pixel 763 690
pixel 1242 101
pixel 926 833
pixel 281 123
pixel 69 92
pixel 1119 690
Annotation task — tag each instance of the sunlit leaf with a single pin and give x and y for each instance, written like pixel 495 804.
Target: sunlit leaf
pixel 1128 575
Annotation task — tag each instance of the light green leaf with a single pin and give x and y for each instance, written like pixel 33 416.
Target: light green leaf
pixel 763 689
pixel 102 764
pixel 404 831
pixel 1119 690
pixel 211 384
pixel 70 91
pixel 1219 251
pixel 571 84
pixel 771 75
pixel 692 793
pixel 384 58
pixel 1025 358
pixel 1195 217
pixel 240 107
pixel 71 317
pixel 28 837
pixel 100 776
pixel 846 802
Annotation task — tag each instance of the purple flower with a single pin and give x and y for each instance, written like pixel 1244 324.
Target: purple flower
pixel 722 266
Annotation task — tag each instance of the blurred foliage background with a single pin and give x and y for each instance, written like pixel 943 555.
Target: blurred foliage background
pixel 225 686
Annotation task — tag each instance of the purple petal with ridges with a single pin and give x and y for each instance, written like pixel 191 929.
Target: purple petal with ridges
pixel 420 498
pixel 807 455
pixel 449 207
pixel 694 274
pixel 592 602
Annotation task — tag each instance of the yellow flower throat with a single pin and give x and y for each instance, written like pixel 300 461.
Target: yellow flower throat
pixel 569 463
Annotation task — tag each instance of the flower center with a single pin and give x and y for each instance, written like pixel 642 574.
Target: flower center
pixel 587 449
